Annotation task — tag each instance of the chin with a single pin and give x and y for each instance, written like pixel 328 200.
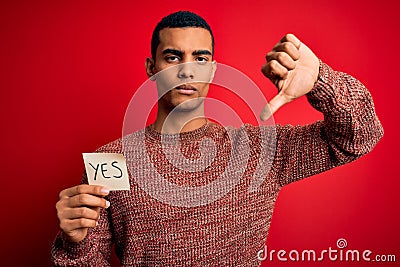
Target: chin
pixel 188 105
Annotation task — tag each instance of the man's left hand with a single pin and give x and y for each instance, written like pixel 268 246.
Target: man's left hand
pixel 293 68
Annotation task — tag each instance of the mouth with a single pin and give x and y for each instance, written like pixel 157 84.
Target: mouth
pixel 186 89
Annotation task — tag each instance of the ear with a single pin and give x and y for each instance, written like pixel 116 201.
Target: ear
pixel 214 69
pixel 150 67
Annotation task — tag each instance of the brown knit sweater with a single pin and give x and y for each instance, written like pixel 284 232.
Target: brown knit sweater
pixel 229 230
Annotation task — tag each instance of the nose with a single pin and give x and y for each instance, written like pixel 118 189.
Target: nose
pixel 186 71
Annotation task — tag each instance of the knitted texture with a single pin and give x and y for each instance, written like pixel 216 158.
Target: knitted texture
pixel 231 230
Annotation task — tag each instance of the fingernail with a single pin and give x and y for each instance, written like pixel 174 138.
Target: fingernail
pixel 107 204
pixel 97 223
pixel 265 115
pixel 105 190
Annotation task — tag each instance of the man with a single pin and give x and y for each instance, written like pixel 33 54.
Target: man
pixel 230 230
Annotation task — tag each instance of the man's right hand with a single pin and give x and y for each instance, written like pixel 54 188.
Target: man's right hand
pixel 79 209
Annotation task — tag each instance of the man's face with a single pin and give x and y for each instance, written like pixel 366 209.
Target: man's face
pixel 192 47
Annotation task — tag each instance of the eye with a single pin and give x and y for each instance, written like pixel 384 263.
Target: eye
pixel 172 59
pixel 202 60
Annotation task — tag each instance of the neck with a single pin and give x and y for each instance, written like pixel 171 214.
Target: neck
pixel 179 121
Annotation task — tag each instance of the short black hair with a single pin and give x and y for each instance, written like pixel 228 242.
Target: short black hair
pixel 180 19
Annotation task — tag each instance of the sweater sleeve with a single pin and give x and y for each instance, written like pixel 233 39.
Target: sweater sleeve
pixel 94 250
pixel 350 129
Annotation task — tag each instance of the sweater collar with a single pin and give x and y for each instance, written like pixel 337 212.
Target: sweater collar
pixel 194 135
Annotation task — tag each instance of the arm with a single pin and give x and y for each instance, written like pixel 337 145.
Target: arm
pixel 81 242
pixel 85 238
pixel 350 127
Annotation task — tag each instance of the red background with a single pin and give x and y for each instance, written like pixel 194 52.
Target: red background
pixel 69 69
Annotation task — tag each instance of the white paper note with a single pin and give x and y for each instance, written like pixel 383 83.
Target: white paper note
pixel 107 169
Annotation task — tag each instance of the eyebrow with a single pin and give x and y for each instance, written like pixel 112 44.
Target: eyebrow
pixel 172 51
pixel 201 52
pixel 179 53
